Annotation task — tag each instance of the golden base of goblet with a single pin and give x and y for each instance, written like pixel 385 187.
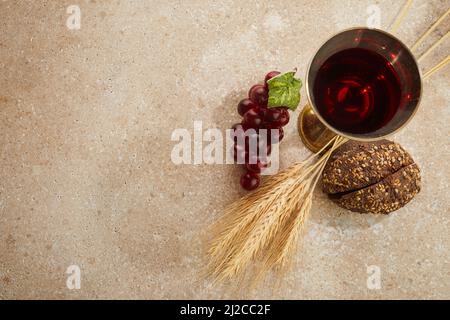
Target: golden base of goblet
pixel 315 135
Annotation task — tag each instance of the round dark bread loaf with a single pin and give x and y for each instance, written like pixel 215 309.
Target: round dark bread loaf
pixel 375 177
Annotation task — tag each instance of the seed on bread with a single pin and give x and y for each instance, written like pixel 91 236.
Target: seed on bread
pixel 376 177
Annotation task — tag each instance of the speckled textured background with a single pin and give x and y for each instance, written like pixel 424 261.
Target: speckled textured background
pixel 85 171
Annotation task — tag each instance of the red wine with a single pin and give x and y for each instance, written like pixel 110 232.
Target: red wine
pixel 357 91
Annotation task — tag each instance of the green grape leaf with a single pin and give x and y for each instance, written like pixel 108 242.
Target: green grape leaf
pixel 284 91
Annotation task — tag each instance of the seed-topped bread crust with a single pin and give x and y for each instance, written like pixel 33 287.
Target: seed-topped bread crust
pixel 378 177
pixel 356 165
pixel 388 195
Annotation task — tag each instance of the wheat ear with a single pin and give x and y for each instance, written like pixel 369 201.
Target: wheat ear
pixel 267 222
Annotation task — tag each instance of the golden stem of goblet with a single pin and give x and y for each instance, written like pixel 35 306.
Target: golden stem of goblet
pixel 312 131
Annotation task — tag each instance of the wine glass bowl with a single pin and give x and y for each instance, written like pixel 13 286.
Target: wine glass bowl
pixel 363 84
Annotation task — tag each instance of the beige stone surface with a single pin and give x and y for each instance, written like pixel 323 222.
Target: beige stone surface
pixel 85 172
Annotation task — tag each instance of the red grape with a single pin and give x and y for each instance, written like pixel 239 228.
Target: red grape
pixel 257 167
pixel 254 150
pixel 268 149
pixel 251 133
pixel 240 154
pixel 260 154
pixel 245 105
pixel 238 131
pixel 278 136
pixel 250 180
pixel 270 75
pixel 259 95
pixel 253 118
pixel 276 117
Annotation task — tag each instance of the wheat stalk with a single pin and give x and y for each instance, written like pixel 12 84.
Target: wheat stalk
pixel 267 222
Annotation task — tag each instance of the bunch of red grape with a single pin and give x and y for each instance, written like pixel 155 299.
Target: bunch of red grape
pixel 256 115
